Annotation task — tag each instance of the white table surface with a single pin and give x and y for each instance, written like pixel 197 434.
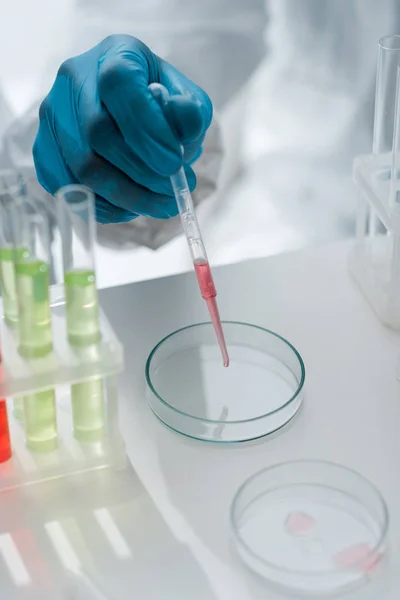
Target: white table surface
pixel 351 414
pixel 169 515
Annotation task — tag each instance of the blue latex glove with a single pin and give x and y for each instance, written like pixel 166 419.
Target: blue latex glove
pixel 101 126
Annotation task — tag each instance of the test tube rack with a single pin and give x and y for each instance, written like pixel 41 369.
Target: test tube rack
pixel 65 366
pixel 374 260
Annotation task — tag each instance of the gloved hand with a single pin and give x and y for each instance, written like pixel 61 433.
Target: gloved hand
pixel 101 126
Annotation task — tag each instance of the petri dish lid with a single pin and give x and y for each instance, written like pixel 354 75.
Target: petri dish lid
pixel 313 528
pixel 190 391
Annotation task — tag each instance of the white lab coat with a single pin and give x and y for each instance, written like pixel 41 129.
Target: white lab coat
pixel 309 111
pixel 293 85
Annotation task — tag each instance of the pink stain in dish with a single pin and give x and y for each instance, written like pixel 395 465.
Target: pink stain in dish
pixel 209 293
pixel 360 556
pixel 299 523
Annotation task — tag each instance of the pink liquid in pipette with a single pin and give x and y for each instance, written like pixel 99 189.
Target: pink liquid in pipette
pixel 209 293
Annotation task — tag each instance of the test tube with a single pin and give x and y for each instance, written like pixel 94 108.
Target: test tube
pixel 75 208
pixel 385 97
pixel 386 140
pixel 386 104
pixel 41 421
pixel 5 443
pixel 11 193
pixel 32 267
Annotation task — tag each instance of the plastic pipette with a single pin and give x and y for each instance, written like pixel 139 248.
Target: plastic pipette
pixel 192 232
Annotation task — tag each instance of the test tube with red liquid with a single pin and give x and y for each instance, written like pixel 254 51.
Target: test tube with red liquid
pixel 5 443
pixel 192 231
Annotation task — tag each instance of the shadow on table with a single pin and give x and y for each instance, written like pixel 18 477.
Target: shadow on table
pixel 95 535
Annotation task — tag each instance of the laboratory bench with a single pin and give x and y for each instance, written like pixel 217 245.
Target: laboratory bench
pixel 160 529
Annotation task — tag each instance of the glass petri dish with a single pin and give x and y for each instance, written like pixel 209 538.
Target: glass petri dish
pixel 313 528
pixel 190 390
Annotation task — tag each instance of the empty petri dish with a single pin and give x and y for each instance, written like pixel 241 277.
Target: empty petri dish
pixel 190 390
pixel 311 527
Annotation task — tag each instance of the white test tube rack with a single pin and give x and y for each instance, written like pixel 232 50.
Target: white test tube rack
pixel 64 366
pixel 375 259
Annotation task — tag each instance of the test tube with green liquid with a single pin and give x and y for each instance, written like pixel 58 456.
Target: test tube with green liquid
pixel 12 192
pixel 75 209
pixel 32 273
pixel 32 268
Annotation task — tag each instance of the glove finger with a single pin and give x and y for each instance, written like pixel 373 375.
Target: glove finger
pixel 109 213
pixel 192 154
pixel 123 81
pixel 187 118
pixel 107 141
pixel 179 85
pixel 189 124
pixel 56 174
pixel 112 184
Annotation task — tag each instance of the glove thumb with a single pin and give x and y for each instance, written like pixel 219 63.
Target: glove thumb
pixel 188 118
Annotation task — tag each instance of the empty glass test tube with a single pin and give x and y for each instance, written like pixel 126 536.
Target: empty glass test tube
pixel 32 267
pixel 386 141
pixel 75 210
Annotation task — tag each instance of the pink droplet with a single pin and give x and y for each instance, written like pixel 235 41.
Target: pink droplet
pixel 360 556
pixel 299 523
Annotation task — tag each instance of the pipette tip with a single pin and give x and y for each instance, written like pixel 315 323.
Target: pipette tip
pixel 209 293
pixel 216 321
